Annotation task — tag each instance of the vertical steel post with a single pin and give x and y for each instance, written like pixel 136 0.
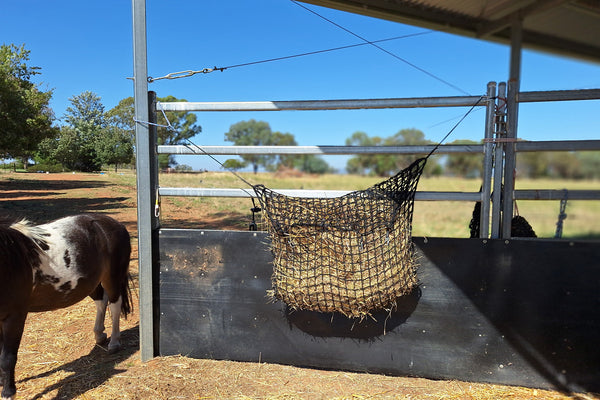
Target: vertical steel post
pixel 500 127
pixel 144 189
pixel 512 111
pixel 488 148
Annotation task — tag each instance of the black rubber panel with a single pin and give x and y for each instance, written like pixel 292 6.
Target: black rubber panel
pixel 520 312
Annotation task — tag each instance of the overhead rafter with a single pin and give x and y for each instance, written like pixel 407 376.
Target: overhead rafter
pixel 565 27
pixel 493 25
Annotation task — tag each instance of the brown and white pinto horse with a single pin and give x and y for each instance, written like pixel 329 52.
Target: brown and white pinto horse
pixel 55 265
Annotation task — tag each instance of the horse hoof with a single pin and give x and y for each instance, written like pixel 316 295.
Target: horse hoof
pixel 114 349
pixel 101 338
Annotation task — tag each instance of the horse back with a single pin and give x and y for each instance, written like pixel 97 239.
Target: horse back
pixel 81 252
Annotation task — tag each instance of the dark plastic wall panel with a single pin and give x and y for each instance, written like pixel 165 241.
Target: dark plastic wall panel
pixel 517 312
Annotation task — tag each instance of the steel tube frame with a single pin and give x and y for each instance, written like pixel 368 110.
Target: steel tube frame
pixel 559 95
pixel 488 160
pixel 550 145
pixel 556 194
pixel 345 104
pixel 500 131
pixel 145 179
pixel 246 193
pixel 322 150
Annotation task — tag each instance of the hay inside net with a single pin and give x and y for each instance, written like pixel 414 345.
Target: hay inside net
pixel 351 254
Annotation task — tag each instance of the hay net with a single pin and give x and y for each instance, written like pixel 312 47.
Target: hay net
pixel 351 254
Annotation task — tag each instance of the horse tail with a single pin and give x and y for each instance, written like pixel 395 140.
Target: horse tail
pixel 126 280
pixel 127 304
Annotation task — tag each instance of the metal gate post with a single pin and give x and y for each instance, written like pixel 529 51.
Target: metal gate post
pixel 500 133
pixel 512 111
pixel 144 154
pixel 488 148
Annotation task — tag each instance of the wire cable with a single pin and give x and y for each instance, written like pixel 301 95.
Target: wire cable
pixel 431 75
pixel 188 73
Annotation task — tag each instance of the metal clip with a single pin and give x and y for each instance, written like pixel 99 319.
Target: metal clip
pixel 157 205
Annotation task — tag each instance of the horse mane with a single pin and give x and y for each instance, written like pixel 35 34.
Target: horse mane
pixel 19 246
pixel 33 232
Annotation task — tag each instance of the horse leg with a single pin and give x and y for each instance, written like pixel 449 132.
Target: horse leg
pixel 100 315
pixel 115 336
pixel 101 300
pixel 12 332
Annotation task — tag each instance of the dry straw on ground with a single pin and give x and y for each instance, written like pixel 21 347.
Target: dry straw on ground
pixel 59 360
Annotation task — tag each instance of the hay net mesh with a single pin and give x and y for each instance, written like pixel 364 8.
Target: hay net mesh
pixel 351 254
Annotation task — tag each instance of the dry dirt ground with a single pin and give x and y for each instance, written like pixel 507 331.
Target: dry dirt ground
pixel 59 360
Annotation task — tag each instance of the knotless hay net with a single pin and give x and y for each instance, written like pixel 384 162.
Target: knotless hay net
pixel 351 254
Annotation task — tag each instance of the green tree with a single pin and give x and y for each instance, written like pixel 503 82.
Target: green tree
pixel 590 164
pixel 122 115
pixel 466 165
pixel 533 164
pixel 363 163
pixel 86 108
pixel 233 164
pixel 183 125
pixel 312 164
pixel 87 119
pixel 283 139
pixel 89 140
pixel 63 150
pixel 25 116
pixel 115 147
pixel 385 164
pixel 252 133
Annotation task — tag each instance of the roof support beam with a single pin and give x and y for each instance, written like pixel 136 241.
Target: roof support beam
pixel 539 6
pixel 512 113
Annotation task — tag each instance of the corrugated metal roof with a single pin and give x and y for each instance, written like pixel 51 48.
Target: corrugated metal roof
pixel 567 27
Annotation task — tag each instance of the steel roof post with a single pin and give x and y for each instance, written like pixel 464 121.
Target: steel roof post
pixel 512 110
pixel 143 177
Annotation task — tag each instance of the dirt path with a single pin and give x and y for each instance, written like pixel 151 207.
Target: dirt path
pixel 59 360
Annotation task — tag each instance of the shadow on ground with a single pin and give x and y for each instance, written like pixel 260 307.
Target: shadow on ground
pixel 89 371
pixel 27 185
pixel 40 200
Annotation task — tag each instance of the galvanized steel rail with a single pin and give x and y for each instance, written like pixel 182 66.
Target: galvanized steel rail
pixel 246 193
pixel 305 105
pixel 321 150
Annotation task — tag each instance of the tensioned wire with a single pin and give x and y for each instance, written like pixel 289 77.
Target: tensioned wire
pixel 188 73
pixel 431 75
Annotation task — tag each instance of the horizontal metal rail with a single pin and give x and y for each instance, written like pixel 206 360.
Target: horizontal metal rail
pixel 305 105
pixel 324 150
pixel 558 95
pixel 530 194
pixel 559 145
pixel 356 104
pixel 353 104
pixel 245 193
pixel 556 194
pixel 523 146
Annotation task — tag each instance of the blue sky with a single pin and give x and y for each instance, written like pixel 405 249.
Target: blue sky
pixel 84 45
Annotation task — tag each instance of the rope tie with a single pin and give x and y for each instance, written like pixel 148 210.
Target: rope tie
pixel 562 215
